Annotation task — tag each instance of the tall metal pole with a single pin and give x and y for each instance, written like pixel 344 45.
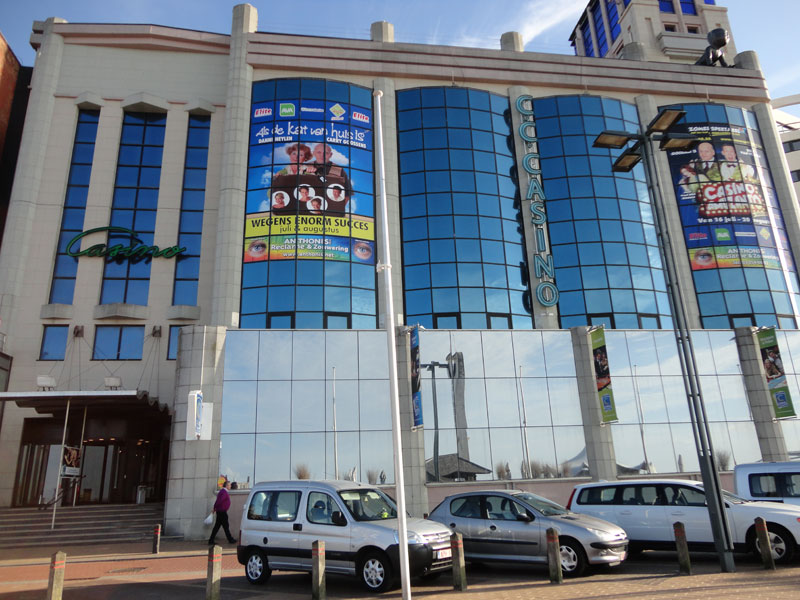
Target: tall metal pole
pixel 524 427
pixel 386 269
pixel 60 463
pixel 432 368
pixel 335 435
pixel 691 380
pixel 641 416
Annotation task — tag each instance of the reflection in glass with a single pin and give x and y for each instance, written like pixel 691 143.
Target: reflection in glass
pixel 274 406
pixel 239 406
pixel 272 457
pixel 241 355
pixel 236 456
pixel 377 457
pixel 571 451
pixel 274 351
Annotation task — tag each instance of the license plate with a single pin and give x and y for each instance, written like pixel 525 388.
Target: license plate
pixel 444 553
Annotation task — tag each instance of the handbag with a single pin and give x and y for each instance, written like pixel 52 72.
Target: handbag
pixel 209 519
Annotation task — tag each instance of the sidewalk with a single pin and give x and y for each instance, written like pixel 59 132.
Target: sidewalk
pixel 131 572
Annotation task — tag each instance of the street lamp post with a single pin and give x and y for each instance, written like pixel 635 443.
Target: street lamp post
pixel 659 130
pixel 431 366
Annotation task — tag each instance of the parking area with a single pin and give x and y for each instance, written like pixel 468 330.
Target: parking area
pixel 179 573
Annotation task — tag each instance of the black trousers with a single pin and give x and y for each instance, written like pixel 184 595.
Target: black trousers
pixel 222 521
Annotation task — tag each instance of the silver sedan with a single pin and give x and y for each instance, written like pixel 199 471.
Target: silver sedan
pixel 511 526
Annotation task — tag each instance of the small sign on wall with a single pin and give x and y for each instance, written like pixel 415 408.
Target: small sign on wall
pixel 198 417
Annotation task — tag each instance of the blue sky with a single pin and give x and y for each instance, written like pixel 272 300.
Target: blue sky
pixel 544 24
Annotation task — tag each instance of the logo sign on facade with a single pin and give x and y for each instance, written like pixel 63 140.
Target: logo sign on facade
pixel 546 290
pixel 775 373
pixel 198 417
pixel 602 375
pixel 136 250
pixel 416 393
pixel 286 109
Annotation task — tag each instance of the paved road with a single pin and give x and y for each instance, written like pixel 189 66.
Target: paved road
pixel 178 573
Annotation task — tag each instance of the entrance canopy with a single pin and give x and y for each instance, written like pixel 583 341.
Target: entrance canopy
pixel 53 402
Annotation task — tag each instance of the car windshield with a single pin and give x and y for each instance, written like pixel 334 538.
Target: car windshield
pixel 368 504
pixel 730 497
pixel 547 507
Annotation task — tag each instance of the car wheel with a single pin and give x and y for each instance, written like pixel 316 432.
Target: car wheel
pixel 781 542
pixel 257 569
pixel 573 558
pixel 375 572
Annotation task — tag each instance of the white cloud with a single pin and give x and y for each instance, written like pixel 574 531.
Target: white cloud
pixel 543 15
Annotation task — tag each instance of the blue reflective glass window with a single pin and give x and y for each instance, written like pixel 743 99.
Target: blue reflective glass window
pixel 444 274
pixel 54 342
pixel 172 345
pixel 418 301
pixel 598 301
pixel 571 303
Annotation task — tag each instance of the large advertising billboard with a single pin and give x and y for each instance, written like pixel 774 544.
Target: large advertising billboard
pixel 728 209
pixel 310 183
pixel 775 374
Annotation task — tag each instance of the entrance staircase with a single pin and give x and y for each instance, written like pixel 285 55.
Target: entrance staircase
pixel 100 524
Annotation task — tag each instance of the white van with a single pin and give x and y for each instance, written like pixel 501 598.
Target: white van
pixel 358 524
pixel 772 481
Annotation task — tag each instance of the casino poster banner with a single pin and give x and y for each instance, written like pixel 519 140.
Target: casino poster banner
pixel 602 375
pixel 723 196
pixel 416 392
pixel 310 182
pixel 775 373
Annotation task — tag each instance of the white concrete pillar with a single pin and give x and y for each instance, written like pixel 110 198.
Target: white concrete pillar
pixel 28 177
pixel 233 177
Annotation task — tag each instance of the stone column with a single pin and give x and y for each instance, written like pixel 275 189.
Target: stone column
pixel 671 227
pixel 768 430
pixel 413 441
pixel 512 41
pixel 194 465
pixel 28 177
pixel 534 211
pixel 391 165
pixel 599 443
pixel 233 177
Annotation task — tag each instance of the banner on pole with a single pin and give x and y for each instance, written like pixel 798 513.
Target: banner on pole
pixel 602 375
pixel 775 373
pixel 416 393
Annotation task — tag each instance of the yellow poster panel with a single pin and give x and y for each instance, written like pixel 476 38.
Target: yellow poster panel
pixel 264 224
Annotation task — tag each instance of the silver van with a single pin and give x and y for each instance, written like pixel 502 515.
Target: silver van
pixel 357 522
pixel 771 481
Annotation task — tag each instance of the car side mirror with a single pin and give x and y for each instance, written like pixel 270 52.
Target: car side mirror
pixel 524 518
pixel 338 518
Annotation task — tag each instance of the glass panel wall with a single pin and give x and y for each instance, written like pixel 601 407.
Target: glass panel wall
pixel 464 264
pixel 600 223
pixel 280 390
pixel 743 268
pixel 309 251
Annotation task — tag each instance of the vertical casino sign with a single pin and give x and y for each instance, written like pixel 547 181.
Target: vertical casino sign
pixel 302 200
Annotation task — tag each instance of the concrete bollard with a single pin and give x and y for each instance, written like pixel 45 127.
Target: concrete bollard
pixel 156 539
pixel 762 534
pixel 55 584
pixel 214 572
pixel 459 565
pixel 684 563
pixel 318 570
pixel 554 556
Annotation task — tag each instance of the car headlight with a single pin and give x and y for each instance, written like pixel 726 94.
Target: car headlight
pixel 413 538
pixel 598 532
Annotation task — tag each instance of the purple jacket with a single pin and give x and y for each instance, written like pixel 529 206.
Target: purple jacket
pixel 223 502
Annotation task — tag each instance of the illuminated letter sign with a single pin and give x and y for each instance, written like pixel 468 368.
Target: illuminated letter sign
pixel 136 249
pixel 546 290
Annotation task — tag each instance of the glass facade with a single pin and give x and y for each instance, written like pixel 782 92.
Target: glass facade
pixel 464 264
pixel 513 394
pixel 54 342
pixel 118 342
pixel 743 269
pixel 278 404
pixel 309 251
pixel 66 267
pixel 789 342
pixel 602 236
pixel 190 229
pixel 600 29
pixel 134 206
pixel 654 427
pixel 613 18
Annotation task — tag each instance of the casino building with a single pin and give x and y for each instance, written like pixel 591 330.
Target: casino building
pixel 192 272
